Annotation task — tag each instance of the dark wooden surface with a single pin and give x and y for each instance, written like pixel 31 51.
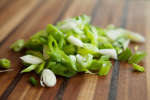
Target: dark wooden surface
pixel 22 18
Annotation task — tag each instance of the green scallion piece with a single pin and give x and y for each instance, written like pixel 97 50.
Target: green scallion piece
pixel 18 45
pixel 137 57
pixel 5 63
pixel 138 67
pixel 33 81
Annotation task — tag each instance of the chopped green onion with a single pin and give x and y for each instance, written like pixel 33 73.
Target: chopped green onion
pixel 104 58
pixel 109 52
pixel 95 65
pixel 29 69
pixel 33 81
pixel 69 49
pixel 105 68
pixel 39 68
pixel 136 37
pixel 125 55
pixel 138 67
pixel 18 45
pixel 137 57
pixel 5 63
pixel 29 59
pixel 34 53
pixel 75 41
pixel 74 45
pixel 136 47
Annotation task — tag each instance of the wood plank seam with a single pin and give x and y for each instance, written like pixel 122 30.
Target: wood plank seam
pixel 115 71
pixel 61 90
pixel 11 86
pixel 114 79
pixel 95 10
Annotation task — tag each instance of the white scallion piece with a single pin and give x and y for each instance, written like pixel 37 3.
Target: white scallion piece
pixel 126 43
pixel 48 78
pixel 114 34
pixel 75 41
pixel 135 37
pixel 31 59
pixel 109 52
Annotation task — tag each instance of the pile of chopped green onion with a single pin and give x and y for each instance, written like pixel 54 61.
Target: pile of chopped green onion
pixel 74 45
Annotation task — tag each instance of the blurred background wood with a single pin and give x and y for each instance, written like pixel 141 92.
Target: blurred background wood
pixel 22 18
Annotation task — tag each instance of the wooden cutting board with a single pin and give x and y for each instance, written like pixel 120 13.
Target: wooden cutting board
pixel 22 18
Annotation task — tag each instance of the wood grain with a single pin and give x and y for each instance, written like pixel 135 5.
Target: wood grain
pixel 15 18
pixel 22 18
